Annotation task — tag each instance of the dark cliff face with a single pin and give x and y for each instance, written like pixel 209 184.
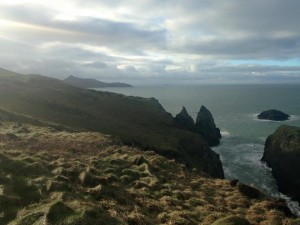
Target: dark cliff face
pixel 185 120
pixel 273 114
pixel 205 125
pixel 282 154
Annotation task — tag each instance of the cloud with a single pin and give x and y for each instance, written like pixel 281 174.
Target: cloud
pixel 182 41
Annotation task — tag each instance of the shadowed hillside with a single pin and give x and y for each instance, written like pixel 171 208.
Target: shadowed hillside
pixel 53 176
pixel 137 121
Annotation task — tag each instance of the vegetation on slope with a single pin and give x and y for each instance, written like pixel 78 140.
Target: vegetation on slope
pixel 137 121
pixel 53 176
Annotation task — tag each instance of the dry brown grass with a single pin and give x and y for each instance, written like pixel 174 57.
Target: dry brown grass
pixel 88 178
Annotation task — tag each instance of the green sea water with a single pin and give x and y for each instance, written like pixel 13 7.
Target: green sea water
pixel 234 108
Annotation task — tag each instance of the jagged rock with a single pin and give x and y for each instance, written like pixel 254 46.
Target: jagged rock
pixel 234 182
pixel 205 125
pixel 273 114
pixel 282 154
pixel 249 191
pixel 184 120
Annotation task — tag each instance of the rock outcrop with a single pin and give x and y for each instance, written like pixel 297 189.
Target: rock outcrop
pixel 273 114
pixel 184 120
pixel 205 125
pixel 282 154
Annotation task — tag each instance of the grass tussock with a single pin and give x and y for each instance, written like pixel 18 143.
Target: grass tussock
pixel 59 177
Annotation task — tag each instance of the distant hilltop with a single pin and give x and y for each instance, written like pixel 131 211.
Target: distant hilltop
pixel 92 83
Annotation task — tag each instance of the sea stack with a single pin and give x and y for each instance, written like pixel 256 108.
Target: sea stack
pixel 282 154
pixel 205 125
pixel 184 120
pixel 273 114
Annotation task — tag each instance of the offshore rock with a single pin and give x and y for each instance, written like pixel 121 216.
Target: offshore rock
pixel 205 125
pixel 273 114
pixel 282 154
pixel 184 120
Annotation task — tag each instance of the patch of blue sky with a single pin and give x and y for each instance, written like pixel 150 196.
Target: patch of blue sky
pixel 289 62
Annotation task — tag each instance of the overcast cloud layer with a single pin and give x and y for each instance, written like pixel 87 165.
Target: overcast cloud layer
pixel 153 41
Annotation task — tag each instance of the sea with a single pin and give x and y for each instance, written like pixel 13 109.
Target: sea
pixel 235 109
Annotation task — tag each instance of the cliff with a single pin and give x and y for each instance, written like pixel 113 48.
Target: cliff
pixel 139 122
pixel 282 154
pixel 205 125
pixel 184 120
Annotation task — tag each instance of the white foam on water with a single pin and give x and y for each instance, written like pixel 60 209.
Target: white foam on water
pixel 243 161
pixel 294 117
pixel 225 133
pixel 253 115
pixel 262 138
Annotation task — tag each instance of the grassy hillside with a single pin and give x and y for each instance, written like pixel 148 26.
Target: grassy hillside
pixel 137 121
pixel 49 175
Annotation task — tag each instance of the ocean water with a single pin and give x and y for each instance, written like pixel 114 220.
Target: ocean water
pixel 234 108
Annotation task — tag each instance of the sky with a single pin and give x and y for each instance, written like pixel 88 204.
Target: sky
pixel 153 41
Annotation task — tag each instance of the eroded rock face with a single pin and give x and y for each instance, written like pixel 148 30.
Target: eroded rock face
pixel 205 125
pixel 273 114
pixel 282 154
pixel 184 120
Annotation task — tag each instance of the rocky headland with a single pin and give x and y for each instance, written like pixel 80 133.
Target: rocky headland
pixel 273 114
pixel 282 154
pixel 139 122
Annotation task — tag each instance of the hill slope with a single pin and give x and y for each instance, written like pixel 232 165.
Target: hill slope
pixel 51 176
pixel 137 121
pixel 91 83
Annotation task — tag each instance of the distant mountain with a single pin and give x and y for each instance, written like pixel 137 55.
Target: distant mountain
pixel 92 83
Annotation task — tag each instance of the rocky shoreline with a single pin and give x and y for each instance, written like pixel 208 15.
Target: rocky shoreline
pixel 282 154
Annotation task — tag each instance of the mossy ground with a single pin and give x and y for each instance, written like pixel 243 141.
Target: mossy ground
pixel 60 177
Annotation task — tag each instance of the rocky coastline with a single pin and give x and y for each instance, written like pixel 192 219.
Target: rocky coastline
pixel 282 154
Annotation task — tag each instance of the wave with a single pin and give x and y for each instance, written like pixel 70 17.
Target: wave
pixel 225 133
pixel 294 117
pixel 243 161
